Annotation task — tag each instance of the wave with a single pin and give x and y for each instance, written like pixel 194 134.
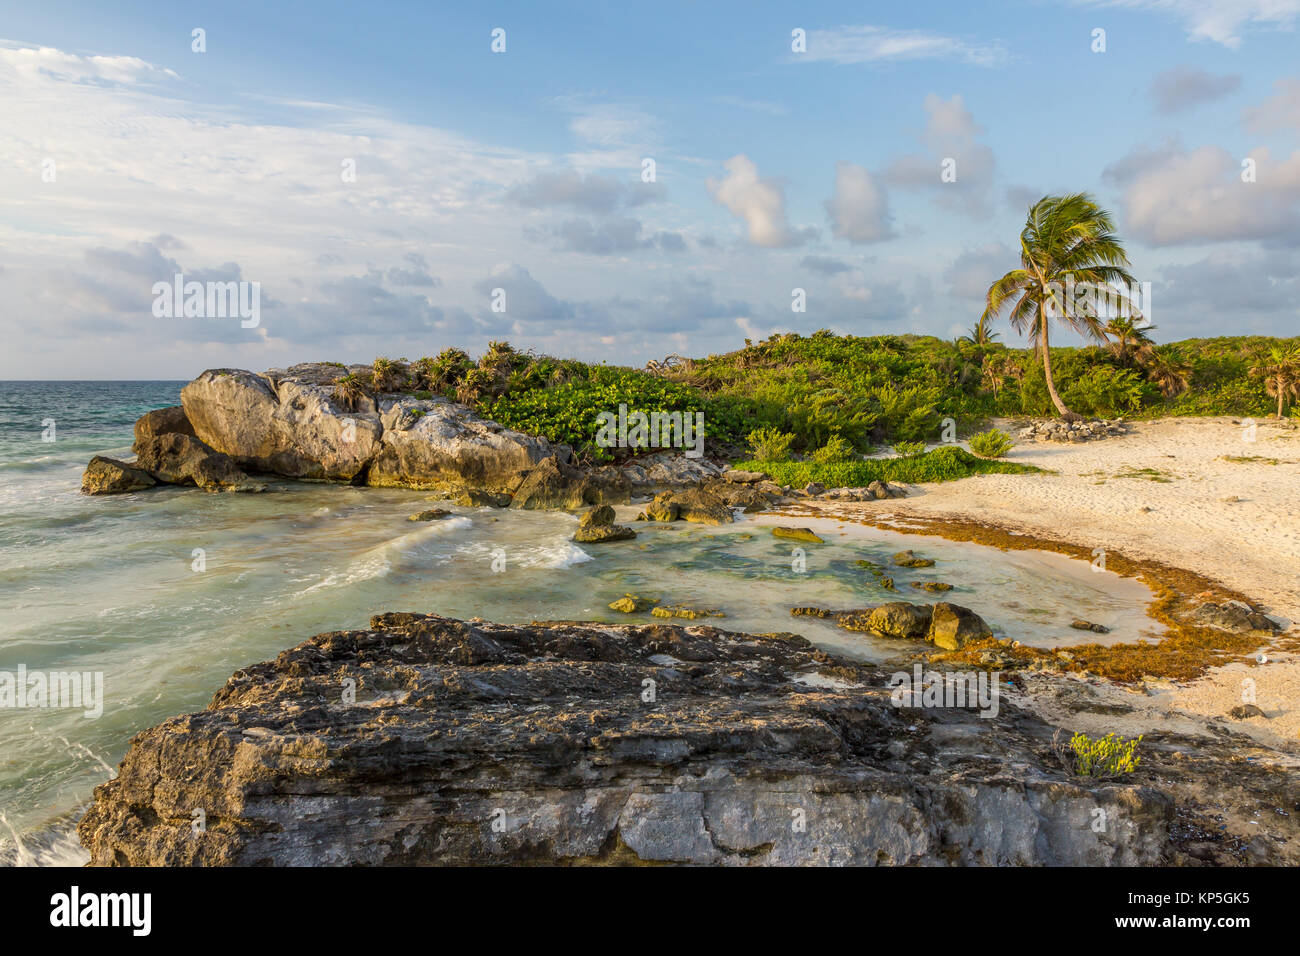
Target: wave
pixel 378 561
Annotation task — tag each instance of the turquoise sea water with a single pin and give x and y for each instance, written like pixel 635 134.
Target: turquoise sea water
pixel 168 591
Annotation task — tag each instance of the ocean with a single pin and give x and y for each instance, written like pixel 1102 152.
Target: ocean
pixel 164 593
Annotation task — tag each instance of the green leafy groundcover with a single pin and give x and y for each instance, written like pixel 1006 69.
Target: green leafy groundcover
pixel 941 464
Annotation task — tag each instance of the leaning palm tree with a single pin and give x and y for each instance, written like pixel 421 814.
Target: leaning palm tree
pixel 1132 345
pixel 1065 238
pixel 1279 367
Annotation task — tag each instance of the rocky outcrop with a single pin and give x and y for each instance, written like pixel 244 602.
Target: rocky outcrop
pixel 161 421
pixel 282 424
pixel 947 626
pixel 439 444
pixel 553 484
pixel 597 526
pixel 424 740
pixel 108 476
pixel 1234 616
pixel 179 459
pixel 953 626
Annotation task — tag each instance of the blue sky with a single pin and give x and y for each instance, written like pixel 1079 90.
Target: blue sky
pixel 521 170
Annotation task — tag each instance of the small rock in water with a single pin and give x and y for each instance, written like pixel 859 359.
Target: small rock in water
pixel 430 514
pixel 908 559
pixel 681 610
pixel 598 534
pixel 631 604
pixel 797 534
pixel 932 586
pixel 1081 625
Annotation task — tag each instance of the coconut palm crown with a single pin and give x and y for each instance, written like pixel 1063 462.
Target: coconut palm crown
pixel 1066 239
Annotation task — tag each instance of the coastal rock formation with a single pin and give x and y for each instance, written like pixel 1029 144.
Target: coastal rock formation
pixel 553 484
pixel 439 444
pixel 161 421
pixel 952 626
pixel 282 424
pixel 1234 616
pixel 108 476
pixel 947 626
pixel 597 526
pixel 425 740
pixel 179 459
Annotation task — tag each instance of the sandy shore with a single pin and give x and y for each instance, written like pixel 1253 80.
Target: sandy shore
pixel 1169 491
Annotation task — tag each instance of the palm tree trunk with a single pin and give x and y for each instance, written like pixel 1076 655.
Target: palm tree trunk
pixel 1047 365
pixel 1281 397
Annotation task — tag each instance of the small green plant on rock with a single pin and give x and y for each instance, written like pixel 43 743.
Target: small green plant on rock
pixel 1102 758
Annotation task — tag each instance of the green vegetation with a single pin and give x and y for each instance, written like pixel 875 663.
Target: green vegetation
pixel 909 449
pixel 769 444
pixel 835 450
pixel 993 443
pixel 1279 369
pixel 835 397
pixel 947 463
pixel 1104 757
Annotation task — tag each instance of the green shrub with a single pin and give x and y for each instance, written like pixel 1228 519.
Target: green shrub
pixel 991 444
pixel 909 449
pixel 835 450
pixel 947 463
pixel 769 444
pixel 1101 758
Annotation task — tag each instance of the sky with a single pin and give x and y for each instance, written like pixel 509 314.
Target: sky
pixel 620 182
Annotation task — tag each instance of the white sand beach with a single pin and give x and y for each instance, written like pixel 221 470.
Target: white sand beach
pixel 1189 492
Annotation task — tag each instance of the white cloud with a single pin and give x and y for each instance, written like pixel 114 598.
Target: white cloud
pixel 873 44
pixel 758 202
pixel 1279 111
pixel 1174 196
pixel 1217 21
pixel 951 135
pixel 858 209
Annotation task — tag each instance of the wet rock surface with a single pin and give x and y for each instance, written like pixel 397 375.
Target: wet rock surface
pixel 426 740
pixel 108 476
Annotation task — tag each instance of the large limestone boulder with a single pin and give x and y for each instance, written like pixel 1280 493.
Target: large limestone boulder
pixel 178 459
pixel 555 485
pixel 108 476
pixel 282 424
pixel 952 626
pixel 161 421
pixel 439 444
pixel 704 507
pixel 900 619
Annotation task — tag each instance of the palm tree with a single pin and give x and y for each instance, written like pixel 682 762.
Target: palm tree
pixel 1279 367
pixel 1132 345
pixel 1169 374
pixel 1065 238
pixel 980 333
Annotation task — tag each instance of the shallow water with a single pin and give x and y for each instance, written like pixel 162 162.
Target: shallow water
pixel 169 591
